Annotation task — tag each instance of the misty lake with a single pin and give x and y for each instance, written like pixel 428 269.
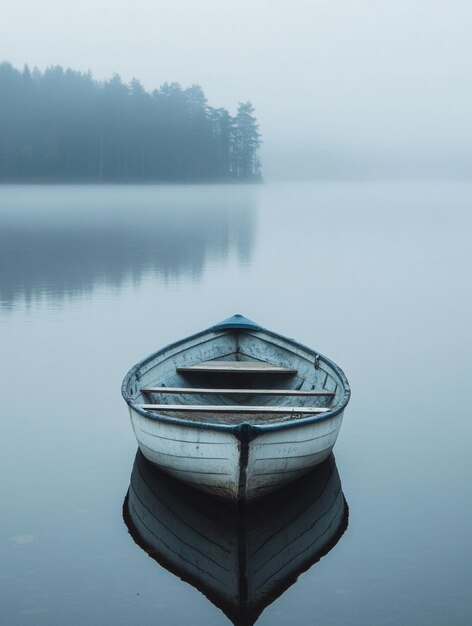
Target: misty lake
pixel 377 276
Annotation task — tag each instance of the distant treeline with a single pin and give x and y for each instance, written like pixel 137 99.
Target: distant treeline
pixel 62 125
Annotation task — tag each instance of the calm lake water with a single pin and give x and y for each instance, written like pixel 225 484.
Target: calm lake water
pixel 376 276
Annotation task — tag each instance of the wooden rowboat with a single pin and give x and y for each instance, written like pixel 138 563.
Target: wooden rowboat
pixel 241 561
pixel 236 410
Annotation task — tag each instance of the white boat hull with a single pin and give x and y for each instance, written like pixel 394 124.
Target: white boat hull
pixel 206 459
pixel 231 465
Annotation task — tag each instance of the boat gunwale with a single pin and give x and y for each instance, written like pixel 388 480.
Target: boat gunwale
pixel 256 429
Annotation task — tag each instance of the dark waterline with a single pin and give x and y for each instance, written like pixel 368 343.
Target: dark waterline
pixel 374 275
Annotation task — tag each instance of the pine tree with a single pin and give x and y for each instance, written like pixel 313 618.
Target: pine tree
pixel 62 125
pixel 246 163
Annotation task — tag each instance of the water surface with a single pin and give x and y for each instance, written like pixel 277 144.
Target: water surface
pixel 376 276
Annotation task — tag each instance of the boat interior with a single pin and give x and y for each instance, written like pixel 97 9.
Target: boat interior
pixel 231 375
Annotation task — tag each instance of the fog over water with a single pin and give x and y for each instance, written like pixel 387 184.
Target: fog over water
pixel 374 275
pixel 341 89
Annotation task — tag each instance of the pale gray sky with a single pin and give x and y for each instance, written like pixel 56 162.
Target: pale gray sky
pixel 341 87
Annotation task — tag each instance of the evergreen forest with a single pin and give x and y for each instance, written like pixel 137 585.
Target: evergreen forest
pixel 62 125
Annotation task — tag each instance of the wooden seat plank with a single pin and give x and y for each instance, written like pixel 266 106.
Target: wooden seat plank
pixel 262 392
pixel 237 367
pixel 233 408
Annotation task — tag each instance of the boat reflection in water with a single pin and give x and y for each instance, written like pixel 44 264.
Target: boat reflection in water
pixel 241 560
